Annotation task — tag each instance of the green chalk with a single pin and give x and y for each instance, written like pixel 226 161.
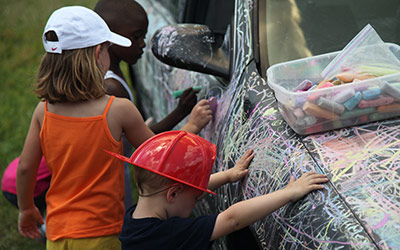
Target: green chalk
pixel 178 93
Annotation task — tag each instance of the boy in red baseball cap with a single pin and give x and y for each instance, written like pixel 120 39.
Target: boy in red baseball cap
pixel 172 171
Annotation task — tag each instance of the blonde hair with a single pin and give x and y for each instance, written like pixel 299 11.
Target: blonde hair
pixel 148 182
pixel 72 76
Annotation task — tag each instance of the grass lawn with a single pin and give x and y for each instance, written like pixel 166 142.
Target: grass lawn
pixel 21 28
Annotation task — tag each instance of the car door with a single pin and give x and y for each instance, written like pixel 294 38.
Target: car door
pixel 359 207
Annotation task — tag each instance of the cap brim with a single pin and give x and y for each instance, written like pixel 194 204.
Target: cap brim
pixel 128 160
pixel 119 40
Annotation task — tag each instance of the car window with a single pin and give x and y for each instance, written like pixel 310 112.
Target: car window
pixel 216 14
pixel 173 6
pixel 300 28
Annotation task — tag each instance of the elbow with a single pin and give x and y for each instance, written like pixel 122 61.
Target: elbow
pixel 234 223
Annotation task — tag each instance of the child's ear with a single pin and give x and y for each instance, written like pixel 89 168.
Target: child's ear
pixel 97 53
pixel 173 192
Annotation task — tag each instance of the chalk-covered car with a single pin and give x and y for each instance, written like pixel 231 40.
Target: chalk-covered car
pixel 226 47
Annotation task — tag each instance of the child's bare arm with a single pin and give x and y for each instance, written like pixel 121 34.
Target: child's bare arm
pixel 128 116
pixel 233 174
pixel 186 103
pixel 27 169
pixel 200 116
pixel 249 211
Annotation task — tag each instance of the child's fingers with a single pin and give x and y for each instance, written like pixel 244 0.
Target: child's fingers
pixel 248 154
pixel 319 180
pixel 203 102
pixel 316 186
pixel 246 158
pixel 29 232
pixel 312 175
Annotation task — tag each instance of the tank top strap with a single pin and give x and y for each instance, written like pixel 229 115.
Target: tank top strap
pixel 45 107
pixel 108 105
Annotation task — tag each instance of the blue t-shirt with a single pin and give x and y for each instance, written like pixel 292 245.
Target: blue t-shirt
pixel 174 233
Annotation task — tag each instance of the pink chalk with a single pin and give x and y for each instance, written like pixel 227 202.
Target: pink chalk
pixel 326 85
pixel 298 113
pixel 213 104
pixel 383 100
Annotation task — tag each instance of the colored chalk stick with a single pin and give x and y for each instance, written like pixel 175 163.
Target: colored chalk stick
pixel 344 95
pixel 389 108
pixel 314 128
pixel 310 120
pixel 379 116
pixel 178 93
pixel 337 82
pixel 313 109
pixel 372 93
pixel 356 113
pixel 299 101
pixel 298 113
pixel 337 124
pixel 213 104
pixel 391 90
pixel 300 123
pixel 352 102
pixel 396 85
pixel 347 76
pixel 313 97
pixel 330 105
pixel 303 86
pixel 325 85
pixel 350 76
pixel 383 100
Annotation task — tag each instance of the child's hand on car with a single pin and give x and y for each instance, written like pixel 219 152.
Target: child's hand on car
pixel 241 167
pixel 306 183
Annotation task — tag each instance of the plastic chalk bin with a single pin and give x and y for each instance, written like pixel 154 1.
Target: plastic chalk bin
pixel 336 106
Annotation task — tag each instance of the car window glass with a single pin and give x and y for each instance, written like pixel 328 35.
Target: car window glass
pixel 216 14
pixel 173 6
pixel 301 28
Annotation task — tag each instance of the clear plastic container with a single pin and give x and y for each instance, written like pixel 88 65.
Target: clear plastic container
pixel 314 111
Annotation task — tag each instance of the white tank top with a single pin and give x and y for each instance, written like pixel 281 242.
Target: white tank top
pixel 111 74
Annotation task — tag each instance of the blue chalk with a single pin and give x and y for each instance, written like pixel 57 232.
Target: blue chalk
pixel 352 102
pixel 371 94
pixel 312 87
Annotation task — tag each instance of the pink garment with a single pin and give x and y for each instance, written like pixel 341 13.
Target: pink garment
pixel 9 179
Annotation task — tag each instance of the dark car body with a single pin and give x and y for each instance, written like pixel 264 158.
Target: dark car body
pixel 360 205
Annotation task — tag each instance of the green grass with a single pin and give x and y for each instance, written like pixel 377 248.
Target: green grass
pixel 21 28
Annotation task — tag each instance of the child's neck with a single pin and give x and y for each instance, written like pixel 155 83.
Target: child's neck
pixel 114 66
pixel 150 207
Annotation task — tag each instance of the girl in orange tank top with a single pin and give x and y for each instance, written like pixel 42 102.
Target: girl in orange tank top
pixel 72 125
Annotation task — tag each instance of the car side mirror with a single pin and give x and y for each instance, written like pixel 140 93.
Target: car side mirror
pixel 191 47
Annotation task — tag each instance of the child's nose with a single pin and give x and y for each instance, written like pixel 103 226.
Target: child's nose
pixel 143 43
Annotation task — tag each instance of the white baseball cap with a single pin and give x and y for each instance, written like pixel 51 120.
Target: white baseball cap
pixel 78 27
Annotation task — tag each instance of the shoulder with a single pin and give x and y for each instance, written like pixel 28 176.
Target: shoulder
pixel 204 223
pixel 122 103
pixel 122 107
pixel 38 114
pixel 115 87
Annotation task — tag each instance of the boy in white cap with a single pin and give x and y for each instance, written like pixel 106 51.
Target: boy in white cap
pixel 129 19
pixel 71 126
pixel 172 171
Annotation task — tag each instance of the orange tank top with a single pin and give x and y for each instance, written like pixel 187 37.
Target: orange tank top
pixel 85 198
